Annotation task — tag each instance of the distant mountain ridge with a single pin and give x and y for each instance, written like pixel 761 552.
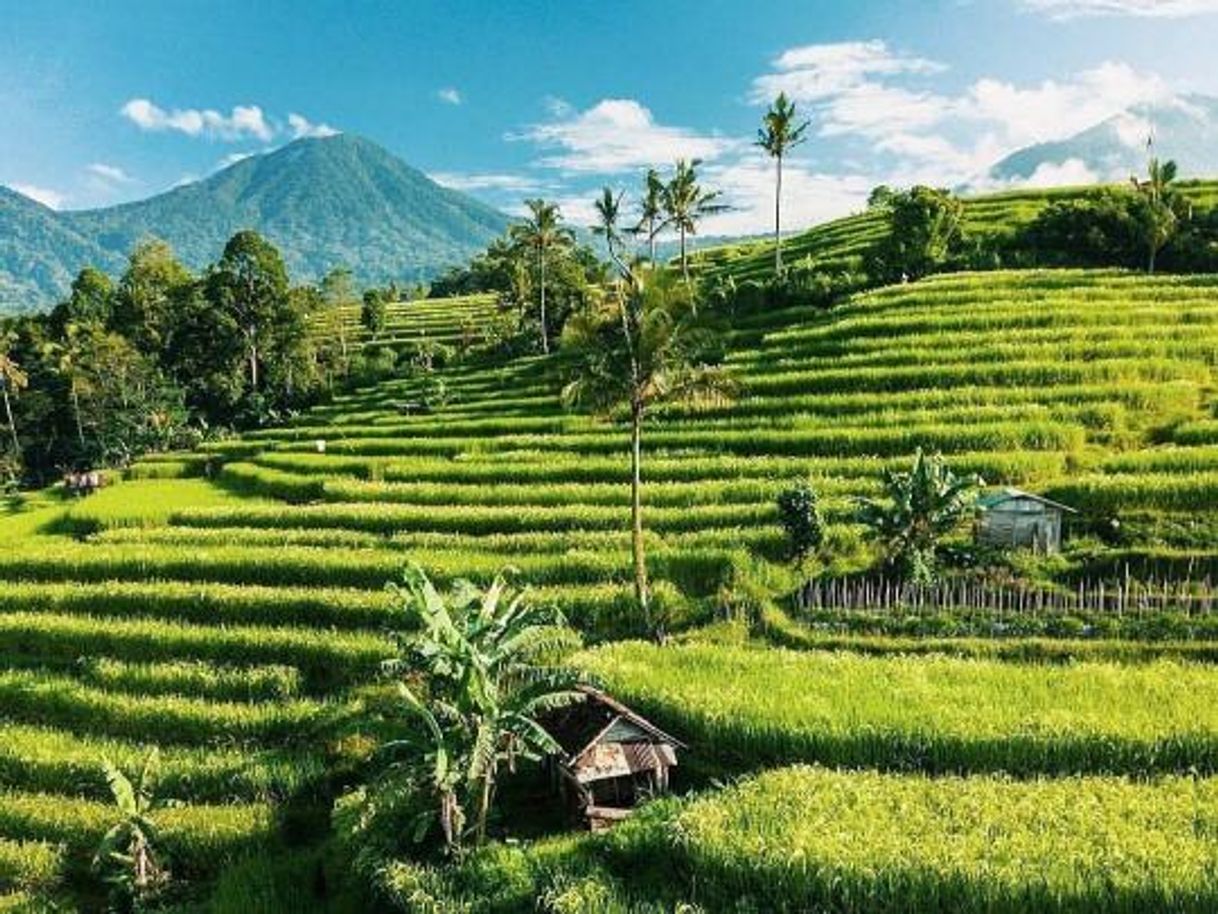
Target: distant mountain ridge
pixel 322 201
pixel 1184 129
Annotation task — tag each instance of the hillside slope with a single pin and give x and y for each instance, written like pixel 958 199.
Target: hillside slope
pixel 323 202
pixel 227 620
pixel 840 245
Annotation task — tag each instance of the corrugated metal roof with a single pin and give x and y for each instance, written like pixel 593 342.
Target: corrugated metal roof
pixel 1010 493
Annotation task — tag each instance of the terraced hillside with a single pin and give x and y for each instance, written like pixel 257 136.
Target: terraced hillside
pixel 840 245
pixel 226 619
pixel 450 322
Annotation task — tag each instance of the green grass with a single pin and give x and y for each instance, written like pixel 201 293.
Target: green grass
pixel 743 707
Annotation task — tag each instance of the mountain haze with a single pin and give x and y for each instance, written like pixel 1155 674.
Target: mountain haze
pixel 323 202
pixel 1184 129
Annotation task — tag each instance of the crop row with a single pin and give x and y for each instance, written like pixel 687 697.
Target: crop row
pixel 39 758
pixel 745 707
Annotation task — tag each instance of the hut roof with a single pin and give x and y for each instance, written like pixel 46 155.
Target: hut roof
pixel 1010 493
pixel 580 726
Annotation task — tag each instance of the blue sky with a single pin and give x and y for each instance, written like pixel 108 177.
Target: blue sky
pixel 107 102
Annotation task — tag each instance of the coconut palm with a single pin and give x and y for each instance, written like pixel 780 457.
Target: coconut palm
pixel 13 379
pixel 128 855
pixel 485 657
pixel 1161 218
pixel 643 347
pixel 779 134
pixel 608 211
pixel 651 212
pixel 686 203
pixel 543 234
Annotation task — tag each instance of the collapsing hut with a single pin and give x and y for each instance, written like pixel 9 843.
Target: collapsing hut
pixel 1012 519
pixel 611 758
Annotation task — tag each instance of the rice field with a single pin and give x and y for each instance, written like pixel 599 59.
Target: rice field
pixel 228 605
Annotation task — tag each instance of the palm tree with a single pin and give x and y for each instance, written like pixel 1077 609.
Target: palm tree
pixel 643 348
pixel 778 134
pixel 651 212
pixel 685 203
pixel 543 232
pixel 67 357
pixel 128 852
pixel 920 507
pixel 608 212
pixel 1161 198
pixel 12 378
pixel 486 659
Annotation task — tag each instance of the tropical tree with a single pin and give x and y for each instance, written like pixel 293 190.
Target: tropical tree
pixel 128 856
pixel 144 304
pixel 800 516
pixel 651 212
pixel 249 287
pixel 925 228
pixel 338 294
pixel 476 668
pixel 374 312
pixel 544 235
pixel 12 380
pixel 918 510
pixel 608 212
pixel 1159 219
pixel 66 357
pixel 686 203
pixel 642 346
pixel 779 134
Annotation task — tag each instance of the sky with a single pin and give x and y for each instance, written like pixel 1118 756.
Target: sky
pixel 106 102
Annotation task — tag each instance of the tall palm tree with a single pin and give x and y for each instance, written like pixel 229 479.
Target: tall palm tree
pixel 651 212
pixel 608 211
pixel 486 657
pixel 1161 198
pixel 643 348
pixel 779 134
pixel 67 357
pixel 543 233
pixel 12 378
pixel 686 202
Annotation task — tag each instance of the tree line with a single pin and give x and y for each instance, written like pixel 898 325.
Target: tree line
pixel 163 357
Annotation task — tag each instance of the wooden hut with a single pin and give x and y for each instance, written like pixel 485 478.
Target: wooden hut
pixel 1012 518
pixel 612 758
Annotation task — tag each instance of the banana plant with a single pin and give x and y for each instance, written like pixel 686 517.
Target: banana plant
pixel 129 856
pixel 477 668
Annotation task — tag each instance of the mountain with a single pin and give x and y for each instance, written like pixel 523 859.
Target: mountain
pixel 323 202
pixel 37 252
pixel 1184 129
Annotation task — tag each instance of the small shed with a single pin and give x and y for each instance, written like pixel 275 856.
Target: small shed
pixel 1012 518
pixel 612 758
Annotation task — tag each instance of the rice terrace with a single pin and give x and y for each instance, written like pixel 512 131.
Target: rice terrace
pixel 745 463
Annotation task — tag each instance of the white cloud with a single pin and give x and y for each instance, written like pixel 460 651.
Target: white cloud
pixel 808 196
pixel 866 92
pixel 44 195
pixel 820 71
pixel 301 127
pixel 232 159
pixel 1161 9
pixel 111 174
pixel 449 95
pixel 1071 172
pixel 508 183
pixel 616 135
pixel 1057 109
pixel 243 121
